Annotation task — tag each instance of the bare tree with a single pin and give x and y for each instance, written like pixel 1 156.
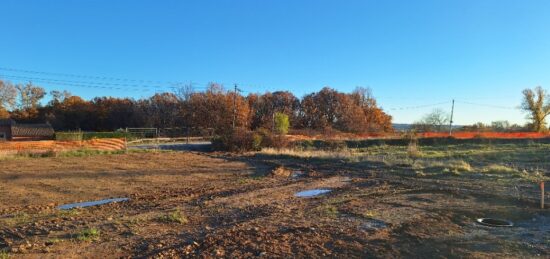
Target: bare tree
pixel 536 104
pixel 500 125
pixel 184 91
pixel 29 95
pixel 434 120
pixel 8 94
pixel 59 96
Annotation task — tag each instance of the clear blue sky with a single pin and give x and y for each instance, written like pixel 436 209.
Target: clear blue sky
pixel 410 53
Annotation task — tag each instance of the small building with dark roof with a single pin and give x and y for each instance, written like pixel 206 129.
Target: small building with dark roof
pixel 10 130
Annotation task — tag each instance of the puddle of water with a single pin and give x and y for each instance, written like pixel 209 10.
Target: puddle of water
pixel 374 224
pixel 297 174
pixel 346 179
pixel 367 224
pixel 90 203
pixel 311 193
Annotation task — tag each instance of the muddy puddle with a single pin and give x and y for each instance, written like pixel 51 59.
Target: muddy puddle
pixel 347 179
pixel 367 224
pixel 311 193
pixel 90 203
pixel 374 224
pixel 297 174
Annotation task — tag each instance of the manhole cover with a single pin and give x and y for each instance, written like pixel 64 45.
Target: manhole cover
pixel 495 222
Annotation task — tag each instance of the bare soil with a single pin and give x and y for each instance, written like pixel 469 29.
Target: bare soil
pixel 234 206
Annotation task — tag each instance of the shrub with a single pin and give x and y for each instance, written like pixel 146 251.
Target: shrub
pixel 282 123
pixel 237 140
pixel 413 151
pixel 459 165
pixel 272 140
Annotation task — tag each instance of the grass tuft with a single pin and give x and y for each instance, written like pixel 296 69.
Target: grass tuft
pixel 328 210
pixel 368 214
pixel 90 234
pixel 499 169
pixel 174 217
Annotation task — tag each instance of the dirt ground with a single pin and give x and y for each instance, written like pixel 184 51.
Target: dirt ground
pixel 234 206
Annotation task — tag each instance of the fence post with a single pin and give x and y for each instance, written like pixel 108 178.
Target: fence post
pixel 187 135
pixel 157 138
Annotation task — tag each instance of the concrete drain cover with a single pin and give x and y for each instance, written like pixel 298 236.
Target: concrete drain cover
pixel 494 222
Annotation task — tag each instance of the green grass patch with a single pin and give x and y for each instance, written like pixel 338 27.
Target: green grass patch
pixel 69 213
pixel 18 218
pixel 174 217
pixel 368 214
pixel 77 136
pixel 328 210
pixel 4 254
pixel 89 234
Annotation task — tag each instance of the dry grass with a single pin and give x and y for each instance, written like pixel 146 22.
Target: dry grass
pixel 174 217
pixel 499 169
pixel 340 154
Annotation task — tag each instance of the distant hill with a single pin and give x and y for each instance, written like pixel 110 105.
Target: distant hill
pixel 407 126
pixel 401 126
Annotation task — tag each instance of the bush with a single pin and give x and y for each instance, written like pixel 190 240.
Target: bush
pixel 272 140
pixel 413 152
pixel 237 140
pixel 282 123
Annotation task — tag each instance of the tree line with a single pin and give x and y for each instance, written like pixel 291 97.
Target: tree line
pixel 535 103
pixel 216 108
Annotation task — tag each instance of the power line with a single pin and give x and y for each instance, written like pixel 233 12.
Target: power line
pixel 103 78
pixel 121 86
pixel 420 106
pixel 117 79
pixel 488 105
pixel 72 84
pixel 115 86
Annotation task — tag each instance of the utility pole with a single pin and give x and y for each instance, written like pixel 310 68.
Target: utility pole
pixel 451 122
pixel 235 106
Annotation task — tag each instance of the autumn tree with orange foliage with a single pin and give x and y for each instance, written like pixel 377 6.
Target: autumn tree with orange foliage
pixel 264 107
pixel 213 109
pixel 356 112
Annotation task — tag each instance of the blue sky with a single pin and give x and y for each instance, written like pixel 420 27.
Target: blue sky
pixel 411 53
